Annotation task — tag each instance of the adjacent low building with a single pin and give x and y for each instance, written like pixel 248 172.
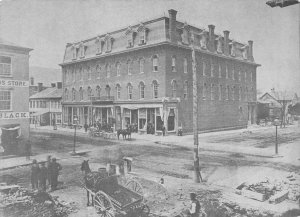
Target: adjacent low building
pixel 14 94
pixel 142 75
pixel 45 106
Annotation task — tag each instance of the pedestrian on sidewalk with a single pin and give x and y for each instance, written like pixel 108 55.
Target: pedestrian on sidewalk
pixel 27 149
pixel 48 166
pixel 54 171
pixel 43 176
pixel 86 127
pixel 35 170
pixel 163 130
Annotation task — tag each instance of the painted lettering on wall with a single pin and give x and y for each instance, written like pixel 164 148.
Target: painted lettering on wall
pixel 13 115
pixel 13 83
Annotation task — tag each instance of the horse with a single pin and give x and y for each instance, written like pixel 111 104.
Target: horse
pixel 91 180
pixel 125 133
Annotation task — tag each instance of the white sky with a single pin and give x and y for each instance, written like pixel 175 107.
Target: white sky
pixel 47 25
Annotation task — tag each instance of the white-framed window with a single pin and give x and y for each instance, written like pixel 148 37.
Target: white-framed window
pixel 173 64
pixel 185 65
pixel 227 92
pixel 211 68
pixel 129 65
pixel 142 35
pixel 89 93
pixel 185 90
pixel 66 94
pixel 5 100
pixel 226 70
pixel 212 96
pixel 174 88
pixel 233 93
pixel 98 71
pixel 246 94
pixel 220 70
pixel 130 42
pixel 73 75
pixel 89 72
pixel 73 94
pixel 82 50
pixel 240 93
pixel 142 90
pixel 142 63
pixel 240 77
pixel 204 68
pixel 80 94
pixel 155 89
pixel 74 53
pixel 129 91
pixel 118 91
pixel 204 91
pixel 99 45
pixel 233 73
pixel 155 63
pixel 98 91
pixel 107 91
pixel 118 69
pixel 220 92
pixel 108 71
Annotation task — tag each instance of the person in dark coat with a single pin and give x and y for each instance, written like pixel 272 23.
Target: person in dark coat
pixel 35 170
pixel 54 171
pixel 86 127
pixel 48 165
pixel 43 176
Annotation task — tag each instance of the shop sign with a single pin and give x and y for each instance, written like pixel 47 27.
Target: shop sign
pixel 13 83
pixel 13 115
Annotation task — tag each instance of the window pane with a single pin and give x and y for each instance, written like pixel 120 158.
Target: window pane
pixel 4 59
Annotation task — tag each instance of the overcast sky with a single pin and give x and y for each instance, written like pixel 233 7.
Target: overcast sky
pixel 47 25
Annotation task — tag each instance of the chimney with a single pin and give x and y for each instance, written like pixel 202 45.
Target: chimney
pixel 59 85
pixel 226 42
pixel 40 87
pixel 53 85
pixel 211 38
pixel 172 25
pixel 250 54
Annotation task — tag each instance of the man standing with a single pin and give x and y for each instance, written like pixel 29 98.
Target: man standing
pixel 48 166
pixel 54 171
pixel 35 170
pixel 43 176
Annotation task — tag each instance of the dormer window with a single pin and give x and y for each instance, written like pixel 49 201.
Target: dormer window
pixel 185 34
pixel 74 52
pixel 82 50
pixel 99 43
pixel 129 43
pixel 142 34
pixel 232 48
pixel 130 37
pixel 108 43
pixel 203 40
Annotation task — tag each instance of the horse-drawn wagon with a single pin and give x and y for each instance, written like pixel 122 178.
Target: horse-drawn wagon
pixel 114 195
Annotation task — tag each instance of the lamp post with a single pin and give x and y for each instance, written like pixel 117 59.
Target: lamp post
pixel 75 120
pixel 276 123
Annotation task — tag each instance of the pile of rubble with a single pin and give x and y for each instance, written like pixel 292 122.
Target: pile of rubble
pixel 275 191
pixel 17 201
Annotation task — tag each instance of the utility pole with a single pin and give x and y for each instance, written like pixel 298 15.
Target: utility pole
pixel 197 174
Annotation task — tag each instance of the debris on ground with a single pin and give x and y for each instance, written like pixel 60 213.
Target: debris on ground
pixel 33 203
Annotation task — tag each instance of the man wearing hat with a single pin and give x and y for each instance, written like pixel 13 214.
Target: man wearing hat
pixel 35 170
pixel 43 176
pixel 194 211
pixel 54 171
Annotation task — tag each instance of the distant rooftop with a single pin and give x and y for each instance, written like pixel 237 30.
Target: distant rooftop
pixel 11 44
pixel 49 93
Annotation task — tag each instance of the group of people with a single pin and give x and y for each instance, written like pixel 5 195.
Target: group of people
pixel 46 174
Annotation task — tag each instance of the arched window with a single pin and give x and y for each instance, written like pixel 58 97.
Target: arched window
pixel 211 68
pixel 185 90
pixel 227 92
pixel 155 63
pixel 212 95
pixel 107 70
pixel 80 94
pixel 185 65
pixel 233 93
pixel 73 75
pixel 174 87
pixel 226 70
pixel 220 92
pixel 220 70
pixel 129 63
pixel 66 94
pixel 118 69
pixel 98 71
pixel 107 91
pixel 73 94
pixel 89 92
pixel 89 73
pixel 98 92
pixel 142 63
pixel 173 64
pixel 129 91
pixel 155 89
pixel 118 91
pixel 142 90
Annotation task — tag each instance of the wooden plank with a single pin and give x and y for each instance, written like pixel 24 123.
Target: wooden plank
pixel 253 195
pixel 279 197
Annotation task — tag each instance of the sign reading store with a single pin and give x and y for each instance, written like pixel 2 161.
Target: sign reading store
pixel 13 83
pixel 13 115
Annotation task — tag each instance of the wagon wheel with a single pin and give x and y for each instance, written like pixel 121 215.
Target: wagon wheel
pixel 135 186
pixel 103 205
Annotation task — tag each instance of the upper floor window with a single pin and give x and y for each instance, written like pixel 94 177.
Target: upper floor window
pixel 143 37
pixel 5 100
pixel 129 63
pixel 185 90
pixel 80 94
pixel 98 71
pixel 240 94
pixel 204 68
pixel 89 73
pixel 5 66
pixel 185 65
pixel 233 93
pixel 245 76
pixel 220 70
pixel 220 92
pixel 98 91
pixel 66 94
pixel 233 72
pixel 82 50
pixel 239 74
pixel 226 70
pixel 107 91
pixel 142 62
pixel 212 95
pixel 251 74
pixel 155 63
pixel 204 90
pixel 211 68
pixel 118 69
pixel 173 64
pixel 73 75
pixel 174 88
pixel 118 91
pixel 108 43
pixel 89 93
pixel 129 91
pixel 142 90
pixel 73 94
pixel 227 92
pixel 108 71
pixel 155 89
pixel 142 34
pixel 99 43
pixel 246 94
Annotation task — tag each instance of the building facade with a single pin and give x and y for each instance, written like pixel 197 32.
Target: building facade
pixel 142 75
pixel 14 94
pixel 45 106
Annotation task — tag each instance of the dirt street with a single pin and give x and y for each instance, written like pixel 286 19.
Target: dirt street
pixel 222 171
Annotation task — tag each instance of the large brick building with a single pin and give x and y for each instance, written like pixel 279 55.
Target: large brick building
pixel 143 74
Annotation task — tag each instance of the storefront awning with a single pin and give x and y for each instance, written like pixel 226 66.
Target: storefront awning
pixel 102 106
pixel 129 106
pixel 39 113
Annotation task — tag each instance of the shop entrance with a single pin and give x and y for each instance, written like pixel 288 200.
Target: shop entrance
pixel 150 121
pixel 171 120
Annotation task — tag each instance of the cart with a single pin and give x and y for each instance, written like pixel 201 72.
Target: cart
pixel 116 196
